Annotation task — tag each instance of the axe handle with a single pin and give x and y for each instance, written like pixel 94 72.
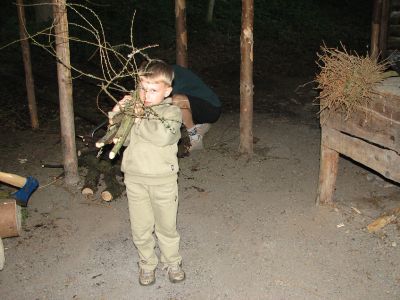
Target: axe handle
pixel 12 179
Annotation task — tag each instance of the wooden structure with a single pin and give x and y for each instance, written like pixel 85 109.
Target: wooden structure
pixel 181 33
pixel 10 218
pixel 385 28
pixel 391 19
pixel 65 92
pixel 246 78
pixel 26 56
pixel 370 136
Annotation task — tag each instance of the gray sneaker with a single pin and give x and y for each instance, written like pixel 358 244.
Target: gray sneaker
pixel 202 129
pixel 175 273
pixel 196 141
pixel 147 277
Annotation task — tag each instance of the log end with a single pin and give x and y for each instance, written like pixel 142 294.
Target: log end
pixel 87 191
pixel 106 196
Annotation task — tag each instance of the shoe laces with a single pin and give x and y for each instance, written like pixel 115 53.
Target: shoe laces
pixel 172 269
pixel 192 131
pixel 147 272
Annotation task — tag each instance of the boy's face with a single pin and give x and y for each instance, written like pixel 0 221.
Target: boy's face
pixel 153 91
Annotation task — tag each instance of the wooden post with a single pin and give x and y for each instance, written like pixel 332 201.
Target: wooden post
pixel 210 11
pixel 65 93
pixel 26 56
pixel 375 28
pixel 329 162
pixel 384 27
pixel 181 33
pixel 246 78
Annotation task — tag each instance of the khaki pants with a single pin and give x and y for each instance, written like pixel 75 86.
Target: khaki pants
pixel 154 208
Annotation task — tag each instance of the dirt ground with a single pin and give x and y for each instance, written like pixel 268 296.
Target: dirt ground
pixel 249 228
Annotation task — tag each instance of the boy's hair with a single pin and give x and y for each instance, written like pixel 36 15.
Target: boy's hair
pixel 157 68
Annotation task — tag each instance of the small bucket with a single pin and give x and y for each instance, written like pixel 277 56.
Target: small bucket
pixel 10 218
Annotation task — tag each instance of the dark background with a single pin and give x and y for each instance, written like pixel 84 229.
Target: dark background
pixel 287 36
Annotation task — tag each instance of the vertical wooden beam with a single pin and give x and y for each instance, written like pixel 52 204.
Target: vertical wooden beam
pixel 181 33
pixel 375 28
pixel 384 27
pixel 246 78
pixel 328 169
pixel 65 92
pixel 210 11
pixel 26 56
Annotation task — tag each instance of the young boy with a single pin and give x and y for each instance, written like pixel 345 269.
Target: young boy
pixel 150 167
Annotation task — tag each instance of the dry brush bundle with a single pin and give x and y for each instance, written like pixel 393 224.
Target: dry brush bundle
pixel 346 81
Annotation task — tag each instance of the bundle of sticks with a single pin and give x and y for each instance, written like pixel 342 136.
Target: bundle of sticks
pixel 118 130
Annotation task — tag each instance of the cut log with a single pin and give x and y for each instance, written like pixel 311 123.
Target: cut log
pixel 114 188
pixel 106 196
pixel 86 191
pixel 10 219
pixel 96 167
pixel 2 257
pixel 92 176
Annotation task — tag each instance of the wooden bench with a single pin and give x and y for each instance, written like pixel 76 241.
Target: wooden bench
pixel 370 136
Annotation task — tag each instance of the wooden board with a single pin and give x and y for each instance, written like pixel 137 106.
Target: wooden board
pixel 384 161
pixel 368 125
pixel 379 123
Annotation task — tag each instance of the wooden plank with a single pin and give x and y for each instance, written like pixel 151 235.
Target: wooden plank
pixel 327 174
pixel 383 161
pixel 394 30
pixel 387 107
pixel 368 125
pixel 390 87
pixel 393 42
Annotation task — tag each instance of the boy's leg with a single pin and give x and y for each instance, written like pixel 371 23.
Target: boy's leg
pixel 142 224
pixel 165 206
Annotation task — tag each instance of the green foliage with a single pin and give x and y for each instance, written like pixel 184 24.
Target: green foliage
pixel 24 215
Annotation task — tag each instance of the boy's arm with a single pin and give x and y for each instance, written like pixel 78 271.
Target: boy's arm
pixel 162 132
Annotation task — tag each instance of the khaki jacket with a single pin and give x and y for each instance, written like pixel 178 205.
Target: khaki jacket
pixel 151 155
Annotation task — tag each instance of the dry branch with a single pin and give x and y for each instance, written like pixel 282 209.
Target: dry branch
pixel 347 81
pixel 384 220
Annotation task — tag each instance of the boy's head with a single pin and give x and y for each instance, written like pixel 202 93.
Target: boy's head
pixel 155 82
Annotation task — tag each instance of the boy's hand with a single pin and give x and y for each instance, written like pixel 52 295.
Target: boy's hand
pixel 113 117
pixel 122 103
pixel 139 109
